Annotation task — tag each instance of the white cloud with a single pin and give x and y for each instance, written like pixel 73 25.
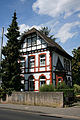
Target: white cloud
pixel 64 32
pixel 79 15
pixel 50 24
pixel 35 26
pixel 22 0
pixel 24 27
pixel 55 8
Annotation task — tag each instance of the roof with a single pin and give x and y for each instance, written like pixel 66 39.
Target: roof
pixel 49 41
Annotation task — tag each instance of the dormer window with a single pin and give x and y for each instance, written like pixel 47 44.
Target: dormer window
pixel 42 60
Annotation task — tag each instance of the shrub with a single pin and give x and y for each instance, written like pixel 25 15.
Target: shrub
pixel 62 85
pixel 47 88
pixel 76 89
pixel 67 92
pixel 4 92
pixel 68 95
pixel 1 92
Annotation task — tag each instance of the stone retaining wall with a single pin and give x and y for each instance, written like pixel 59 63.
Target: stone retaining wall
pixel 53 99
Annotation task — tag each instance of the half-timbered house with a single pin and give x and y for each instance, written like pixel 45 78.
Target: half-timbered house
pixel 43 61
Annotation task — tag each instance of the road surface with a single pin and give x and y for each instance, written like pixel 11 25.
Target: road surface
pixel 6 114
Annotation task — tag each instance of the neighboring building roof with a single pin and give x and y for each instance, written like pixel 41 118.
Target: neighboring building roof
pixel 49 41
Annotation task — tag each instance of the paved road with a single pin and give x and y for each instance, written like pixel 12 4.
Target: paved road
pixel 70 112
pixel 19 115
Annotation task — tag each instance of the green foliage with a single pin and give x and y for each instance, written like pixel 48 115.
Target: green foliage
pixel 76 66
pixel 67 91
pixel 11 78
pixel 76 89
pixel 61 85
pixel 47 88
pixel 0 93
pixel 4 92
pixel 46 32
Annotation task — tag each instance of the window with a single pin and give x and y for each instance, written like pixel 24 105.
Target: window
pixel 42 81
pixel 23 45
pixel 42 60
pixel 66 64
pixel 31 61
pixel 29 42
pixel 25 40
pixel 31 83
pixel 22 62
pixel 33 40
pixel 43 41
pixel 59 80
pixel 69 82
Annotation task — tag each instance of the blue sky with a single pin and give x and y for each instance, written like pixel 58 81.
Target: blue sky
pixel 61 16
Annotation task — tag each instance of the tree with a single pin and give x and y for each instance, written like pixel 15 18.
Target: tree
pixel 10 66
pixel 46 32
pixel 76 66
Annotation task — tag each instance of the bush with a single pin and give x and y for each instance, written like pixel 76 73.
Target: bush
pixel 4 92
pixel 67 92
pixel 1 92
pixel 68 95
pixel 47 88
pixel 76 89
pixel 62 85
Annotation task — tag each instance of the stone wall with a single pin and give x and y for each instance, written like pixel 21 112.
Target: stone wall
pixel 53 99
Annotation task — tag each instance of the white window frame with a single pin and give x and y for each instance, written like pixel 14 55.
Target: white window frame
pixel 31 61
pixel 29 42
pixel 34 40
pixel 42 80
pixel 42 60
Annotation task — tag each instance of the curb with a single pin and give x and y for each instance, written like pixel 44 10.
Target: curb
pixel 63 116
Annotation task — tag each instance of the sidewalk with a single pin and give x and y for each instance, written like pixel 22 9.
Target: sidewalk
pixel 70 112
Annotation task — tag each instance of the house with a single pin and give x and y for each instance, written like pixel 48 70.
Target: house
pixel 43 61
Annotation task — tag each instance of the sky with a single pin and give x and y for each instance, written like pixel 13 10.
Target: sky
pixel 62 17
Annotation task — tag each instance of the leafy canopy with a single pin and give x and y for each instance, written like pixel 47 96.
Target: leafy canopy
pixel 76 66
pixel 46 31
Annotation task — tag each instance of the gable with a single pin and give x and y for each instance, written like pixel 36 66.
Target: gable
pixel 33 42
pixel 48 42
pixel 59 65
